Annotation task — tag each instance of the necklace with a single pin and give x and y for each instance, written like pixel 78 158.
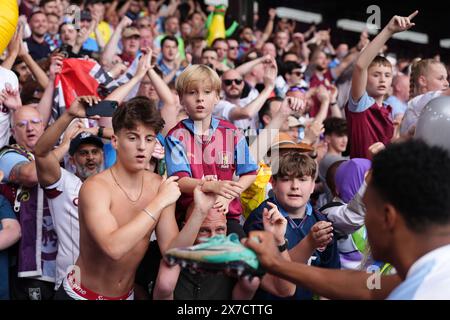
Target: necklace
pixel 126 194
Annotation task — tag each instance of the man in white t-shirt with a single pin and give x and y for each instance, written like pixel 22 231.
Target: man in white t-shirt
pixel 6 77
pixel 243 112
pixel 62 187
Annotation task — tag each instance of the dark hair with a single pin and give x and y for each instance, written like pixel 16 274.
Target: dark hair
pixel 329 177
pixel 380 61
pixel 296 165
pixel 335 125
pixel 208 49
pixel 289 66
pixel 265 109
pixel 42 3
pixel 167 38
pixel 415 178
pixel 35 13
pixel 137 110
pixel 218 40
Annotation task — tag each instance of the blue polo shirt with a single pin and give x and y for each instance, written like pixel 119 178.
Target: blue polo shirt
pixel 296 230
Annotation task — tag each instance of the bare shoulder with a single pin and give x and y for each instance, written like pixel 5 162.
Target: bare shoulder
pixel 152 179
pixel 97 186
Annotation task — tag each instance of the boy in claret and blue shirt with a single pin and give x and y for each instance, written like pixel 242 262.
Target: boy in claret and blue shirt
pixel 369 119
pixel 203 150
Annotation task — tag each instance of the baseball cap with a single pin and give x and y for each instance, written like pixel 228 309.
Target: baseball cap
pixel 85 15
pixel 130 31
pixel 84 138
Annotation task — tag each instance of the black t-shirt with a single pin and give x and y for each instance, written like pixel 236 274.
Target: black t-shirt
pixel 203 286
pixel 37 50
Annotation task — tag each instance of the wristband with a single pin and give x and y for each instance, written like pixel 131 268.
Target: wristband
pixel 149 214
pixel 284 246
pixel 100 132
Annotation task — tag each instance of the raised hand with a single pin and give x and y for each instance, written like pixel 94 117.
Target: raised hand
pixel 271 72
pixel 56 62
pixel 10 98
pixel 125 22
pixel 14 44
pixel 203 201
pixel 274 222
pixel 272 13
pixel 73 130
pixel 78 107
pixel 322 94
pixel 145 63
pixel 291 105
pixel 158 151
pixel 312 132
pixel 222 204
pixel 399 24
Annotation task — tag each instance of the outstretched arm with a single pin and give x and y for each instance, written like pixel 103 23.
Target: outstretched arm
pixel 333 284
pixel 113 42
pixel 250 110
pixel 122 91
pixel 47 161
pixel 359 79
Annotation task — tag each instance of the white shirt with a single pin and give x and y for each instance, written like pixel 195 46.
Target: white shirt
pixel 223 108
pixel 62 198
pixel 427 279
pixel 415 107
pixel 6 76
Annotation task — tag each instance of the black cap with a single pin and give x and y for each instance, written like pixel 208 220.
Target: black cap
pixel 85 15
pixel 84 138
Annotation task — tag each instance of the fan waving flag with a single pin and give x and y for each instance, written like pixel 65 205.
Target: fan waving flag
pixel 81 77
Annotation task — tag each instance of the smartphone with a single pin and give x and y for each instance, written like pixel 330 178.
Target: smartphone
pixel 104 108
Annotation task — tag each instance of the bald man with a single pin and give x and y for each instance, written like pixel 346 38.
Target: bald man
pixel 242 113
pixel 205 286
pixel 400 95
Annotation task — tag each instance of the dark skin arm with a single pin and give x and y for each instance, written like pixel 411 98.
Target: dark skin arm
pixel 329 283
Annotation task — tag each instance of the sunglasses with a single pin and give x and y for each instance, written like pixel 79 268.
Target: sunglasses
pixel 297 73
pixel 24 123
pixel 228 82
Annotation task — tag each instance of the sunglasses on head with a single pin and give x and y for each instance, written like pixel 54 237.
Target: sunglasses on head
pixel 228 82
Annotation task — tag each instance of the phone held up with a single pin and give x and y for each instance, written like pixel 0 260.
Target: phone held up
pixel 104 108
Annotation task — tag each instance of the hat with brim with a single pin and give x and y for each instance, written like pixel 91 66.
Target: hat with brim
pixel 130 32
pixel 284 141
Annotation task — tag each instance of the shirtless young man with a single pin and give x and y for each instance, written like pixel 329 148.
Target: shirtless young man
pixel 119 209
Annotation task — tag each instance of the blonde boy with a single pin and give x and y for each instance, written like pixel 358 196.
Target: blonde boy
pixel 203 150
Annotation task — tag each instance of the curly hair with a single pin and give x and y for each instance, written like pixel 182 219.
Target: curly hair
pixel 415 178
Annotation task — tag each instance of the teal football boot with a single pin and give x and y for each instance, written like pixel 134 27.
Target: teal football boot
pixel 218 254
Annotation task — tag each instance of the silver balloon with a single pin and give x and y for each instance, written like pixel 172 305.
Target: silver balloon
pixel 433 125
